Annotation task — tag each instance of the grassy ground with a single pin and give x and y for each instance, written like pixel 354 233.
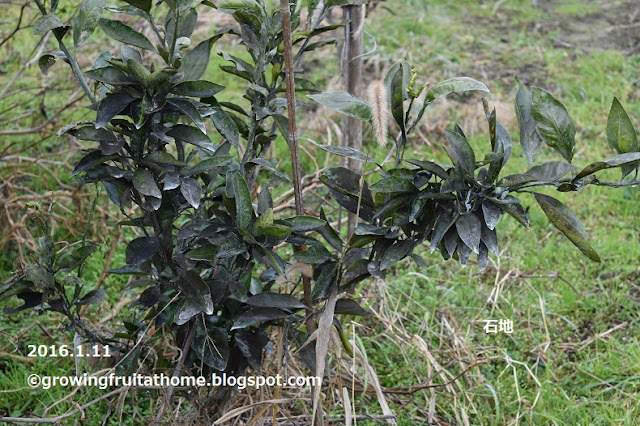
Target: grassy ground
pixel 573 357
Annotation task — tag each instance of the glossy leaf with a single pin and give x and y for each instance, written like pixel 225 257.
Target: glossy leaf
pixel 141 249
pixel 111 106
pixel 351 307
pixel 313 255
pixel 453 85
pixel 94 297
pixel 191 135
pixel 122 32
pixel 431 167
pixel 529 137
pixel 144 5
pixel 192 191
pixel 197 88
pixel 195 62
pixel 256 315
pixel 621 134
pixel 393 184
pixel 554 124
pixel 345 104
pixel 144 182
pixel 190 111
pixel 305 223
pixel 244 208
pixel 568 223
pixel 469 230
pixel 110 75
pixel 212 347
pixel 395 253
pixel 194 287
pixel 491 214
pixel 252 345
pixel 620 160
pixel 461 152
pixel 226 126
pixel 268 165
pixel 91 160
pixel 345 151
pixel 274 300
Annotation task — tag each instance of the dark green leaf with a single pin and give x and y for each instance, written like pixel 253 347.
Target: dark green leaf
pixel 274 300
pixel 192 191
pixel 39 276
pixel 395 253
pixel 163 157
pixel 346 104
pixel 110 75
pixel 568 223
pixel 491 214
pixel 347 182
pixel 190 110
pixel 621 135
pixel 393 184
pixel 305 223
pixel 397 79
pixel 195 62
pixel 461 152
pixel 46 23
pixel 226 126
pixel 529 137
pixel 469 230
pixel 145 184
pixel 345 151
pixel 212 348
pixel 197 88
pixel 144 5
pixel 554 124
pixel 121 32
pixel 141 249
pixel 86 20
pixel 252 345
pixel 256 315
pixel 313 255
pixel 629 158
pixel 210 163
pixel 73 257
pixel 244 208
pixel 94 297
pixel 453 85
pixel 430 167
pixel 111 106
pixel 513 207
pixel 268 165
pixel 45 62
pixel 197 290
pixel 192 135
pixel 91 160
pixel 350 306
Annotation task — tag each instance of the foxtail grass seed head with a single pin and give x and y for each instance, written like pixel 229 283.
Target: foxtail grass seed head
pixel 377 95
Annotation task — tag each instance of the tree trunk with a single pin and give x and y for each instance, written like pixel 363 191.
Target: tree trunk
pixel 352 72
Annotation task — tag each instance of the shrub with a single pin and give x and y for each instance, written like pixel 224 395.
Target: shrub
pixel 217 266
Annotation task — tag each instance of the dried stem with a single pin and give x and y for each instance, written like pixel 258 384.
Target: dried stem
pixel 293 138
